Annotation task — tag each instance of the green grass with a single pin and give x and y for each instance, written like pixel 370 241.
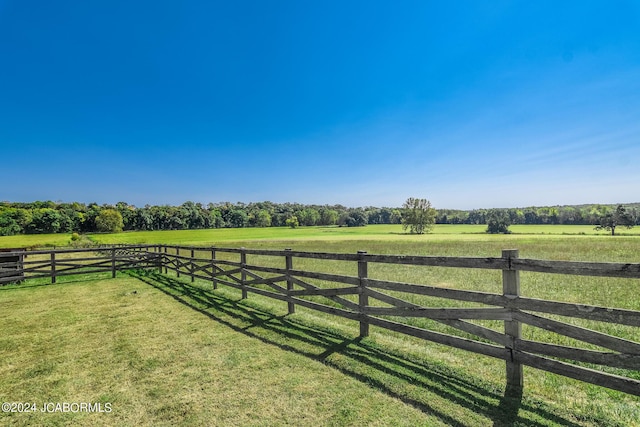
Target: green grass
pixel 382 233
pixel 159 361
pixel 395 366
pixel 163 351
pixel 35 240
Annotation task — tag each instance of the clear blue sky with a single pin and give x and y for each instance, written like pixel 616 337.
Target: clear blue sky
pixel 469 104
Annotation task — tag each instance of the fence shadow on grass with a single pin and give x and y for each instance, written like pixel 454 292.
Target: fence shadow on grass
pixel 418 383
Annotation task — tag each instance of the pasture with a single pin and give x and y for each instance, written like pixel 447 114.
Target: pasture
pixel 432 384
pixel 392 234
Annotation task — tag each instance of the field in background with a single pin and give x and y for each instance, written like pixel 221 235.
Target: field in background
pixel 381 233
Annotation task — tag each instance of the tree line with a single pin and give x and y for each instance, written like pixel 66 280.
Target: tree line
pixel 51 217
pixel 57 217
pixel 569 214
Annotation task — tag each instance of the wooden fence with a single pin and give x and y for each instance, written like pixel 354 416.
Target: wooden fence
pixel 388 304
pixel 55 263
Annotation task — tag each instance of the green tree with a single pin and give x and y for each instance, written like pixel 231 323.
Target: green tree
pixel 109 221
pixel 396 216
pixel 14 220
pixel 263 219
pixel 215 218
pixel 498 221
pixel 619 217
pixel 418 216
pixel 292 222
pixel 308 216
pixel 44 220
pixel 328 216
pixel 238 218
pixel 8 226
pixel 356 218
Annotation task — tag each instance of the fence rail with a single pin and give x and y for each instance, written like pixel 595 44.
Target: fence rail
pixel 385 303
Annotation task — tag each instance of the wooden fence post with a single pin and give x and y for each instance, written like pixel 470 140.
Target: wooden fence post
pixel 178 262
pixel 289 265
pixel 166 260
pixel 193 266
pixel 512 328
pixel 113 263
pixel 53 268
pixel 213 268
pixel 158 250
pixel 243 274
pixel 363 298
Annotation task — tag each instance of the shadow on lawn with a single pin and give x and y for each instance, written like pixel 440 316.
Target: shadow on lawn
pixel 413 382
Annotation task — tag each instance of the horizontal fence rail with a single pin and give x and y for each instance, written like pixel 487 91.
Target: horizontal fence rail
pixel 55 263
pixel 388 304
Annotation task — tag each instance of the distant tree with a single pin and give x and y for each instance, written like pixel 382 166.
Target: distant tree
pixel 328 216
pixel 292 222
pixel 418 216
pixel 477 216
pixel 109 221
pixel 498 221
pixel 8 226
pixel 263 219
pixel 396 216
pixel 89 223
pixel 619 217
pixel 44 220
pixel 128 213
pixel 238 218
pixel 356 218
pixel 343 218
pixel 143 219
pixel 215 218
pixel 308 216
pixel 14 221
pixel 193 215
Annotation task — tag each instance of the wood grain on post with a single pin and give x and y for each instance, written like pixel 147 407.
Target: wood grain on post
pixel 178 262
pixel 192 265
pixel 363 297
pixel 243 274
pixel 53 267
pixel 288 266
pixel 512 328
pixel 113 263
pixel 213 268
pixel 166 261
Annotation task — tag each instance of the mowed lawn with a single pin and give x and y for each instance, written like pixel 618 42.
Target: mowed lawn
pixel 162 351
pixel 158 362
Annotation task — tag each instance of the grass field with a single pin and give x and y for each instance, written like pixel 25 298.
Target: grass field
pixel 158 362
pixel 383 233
pixel 78 327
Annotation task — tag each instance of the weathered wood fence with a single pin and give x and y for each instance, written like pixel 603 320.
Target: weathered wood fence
pixel 613 363
pixel 19 265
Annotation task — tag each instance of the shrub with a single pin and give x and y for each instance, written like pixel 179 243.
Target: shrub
pixel 292 222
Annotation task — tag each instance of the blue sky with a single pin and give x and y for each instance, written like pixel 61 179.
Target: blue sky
pixel 468 104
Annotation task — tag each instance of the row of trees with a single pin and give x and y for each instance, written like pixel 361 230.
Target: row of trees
pixel 51 217
pixel 498 221
pixel 570 214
